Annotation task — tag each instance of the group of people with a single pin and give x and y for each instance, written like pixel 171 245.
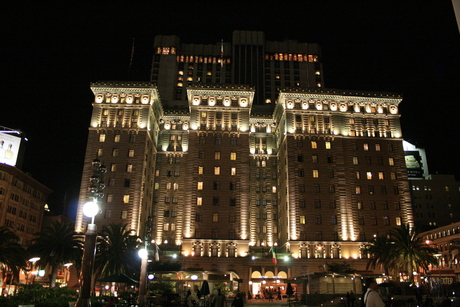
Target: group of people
pixel 269 294
pixel 215 300
pixel 372 297
pixel 351 298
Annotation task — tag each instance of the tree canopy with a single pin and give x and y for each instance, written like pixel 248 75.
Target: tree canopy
pixel 402 251
pixel 12 255
pixel 57 245
pixel 116 251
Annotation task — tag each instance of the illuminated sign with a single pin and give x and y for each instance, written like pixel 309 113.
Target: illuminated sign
pixel 9 148
pixel 414 164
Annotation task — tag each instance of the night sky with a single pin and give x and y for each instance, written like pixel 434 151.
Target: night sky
pixel 51 53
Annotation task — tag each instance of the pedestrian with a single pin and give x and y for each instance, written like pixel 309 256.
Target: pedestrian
pixel 352 298
pixel 372 297
pixel 219 300
pixel 238 301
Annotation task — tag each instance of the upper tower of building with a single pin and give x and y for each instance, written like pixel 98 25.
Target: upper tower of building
pixel 248 59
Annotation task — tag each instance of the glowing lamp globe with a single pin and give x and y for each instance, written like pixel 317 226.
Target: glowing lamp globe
pixel 143 253
pixel 90 209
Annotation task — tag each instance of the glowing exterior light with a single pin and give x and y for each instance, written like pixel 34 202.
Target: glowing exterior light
pixel 90 209
pixel 143 253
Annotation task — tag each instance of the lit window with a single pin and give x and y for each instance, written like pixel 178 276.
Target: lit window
pixel 369 175
pixel 203 114
pixel 131 153
pixel 215 217
pixel 129 168
pixel 126 198
pixel 175 186
pixel 115 153
pixel 314 145
pixel 124 214
pixel 302 219
pixel 381 177
pixel 200 185
pixel 398 221
pixel 116 139
pixel 315 173
pixel 358 189
pixel 391 161
pixel 217 155
pixel 366 146
pixel 199 201
pixel 273 189
pixel 200 170
pixel 355 160
pixel 101 137
pixel 168 186
pixel 113 167
pixel 358 175
pixel 217 170
pixel 328 145
pixel 233 171
pixel 109 198
pixel 377 147
pixel 233 156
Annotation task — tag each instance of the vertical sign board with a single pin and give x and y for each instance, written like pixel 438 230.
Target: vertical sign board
pixel 9 148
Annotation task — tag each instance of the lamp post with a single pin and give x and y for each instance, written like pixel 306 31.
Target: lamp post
pixel 144 255
pixel 90 209
pixel 32 265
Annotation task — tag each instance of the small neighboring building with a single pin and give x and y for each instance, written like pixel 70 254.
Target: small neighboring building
pixel 443 239
pixel 22 202
pixel 435 201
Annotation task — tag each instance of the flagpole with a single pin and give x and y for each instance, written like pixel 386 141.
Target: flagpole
pixel 131 59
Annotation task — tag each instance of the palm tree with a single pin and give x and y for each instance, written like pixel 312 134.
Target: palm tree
pixel 56 245
pixel 410 251
pixel 116 251
pixel 379 250
pixel 402 251
pixel 12 255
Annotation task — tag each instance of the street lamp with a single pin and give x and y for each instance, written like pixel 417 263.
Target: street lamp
pixel 32 264
pixel 90 209
pixel 144 255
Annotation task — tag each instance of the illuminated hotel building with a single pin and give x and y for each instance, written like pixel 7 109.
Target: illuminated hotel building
pixel 316 175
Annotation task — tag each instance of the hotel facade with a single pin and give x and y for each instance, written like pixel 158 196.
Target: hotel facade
pixel 236 150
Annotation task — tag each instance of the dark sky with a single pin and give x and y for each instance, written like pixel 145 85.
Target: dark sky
pixel 51 53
